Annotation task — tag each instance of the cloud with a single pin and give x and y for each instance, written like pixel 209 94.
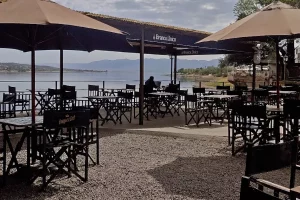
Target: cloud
pixel 195 14
pixel 209 6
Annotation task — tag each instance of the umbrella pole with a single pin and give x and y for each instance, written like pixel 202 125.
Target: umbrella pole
pixel 61 69
pixel 253 81
pixel 175 69
pixel 277 73
pixel 33 85
pixel 141 98
pixel 171 57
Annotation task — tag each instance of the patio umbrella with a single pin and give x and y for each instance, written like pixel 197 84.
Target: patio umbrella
pixel 275 22
pixel 30 25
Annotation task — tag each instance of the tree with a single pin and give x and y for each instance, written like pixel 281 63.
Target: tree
pixel 243 8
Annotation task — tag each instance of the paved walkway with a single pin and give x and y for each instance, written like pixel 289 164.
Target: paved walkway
pixel 173 126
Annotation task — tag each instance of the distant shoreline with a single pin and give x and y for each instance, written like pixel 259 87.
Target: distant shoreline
pixel 71 71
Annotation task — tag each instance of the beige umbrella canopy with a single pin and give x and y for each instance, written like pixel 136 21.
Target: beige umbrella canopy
pixel 45 12
pixel 53 27
pixel 30 25
pixel 275 21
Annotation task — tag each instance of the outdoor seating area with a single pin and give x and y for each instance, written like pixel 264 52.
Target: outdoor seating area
pixel 149 139
pixel 259 122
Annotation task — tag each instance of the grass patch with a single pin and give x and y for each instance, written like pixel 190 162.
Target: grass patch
pixel 219 81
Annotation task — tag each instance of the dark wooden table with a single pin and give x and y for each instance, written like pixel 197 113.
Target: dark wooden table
pixel 11 126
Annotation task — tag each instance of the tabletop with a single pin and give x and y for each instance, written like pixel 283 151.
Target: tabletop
pixel 163 93
pixel 118 89
pixel 21 121
pixel 220 96
pixel 102 97
pixel 38 90
pixel 271 108
pixel 282 92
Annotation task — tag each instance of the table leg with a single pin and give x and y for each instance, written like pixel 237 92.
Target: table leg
pixel 33 144
pixel 277 130
pixel 4 156
pixel 28 147
pixel 14 152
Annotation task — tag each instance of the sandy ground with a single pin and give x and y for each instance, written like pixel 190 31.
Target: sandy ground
pixel 141 166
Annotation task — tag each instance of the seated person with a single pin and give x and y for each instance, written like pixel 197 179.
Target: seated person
pixel 151 83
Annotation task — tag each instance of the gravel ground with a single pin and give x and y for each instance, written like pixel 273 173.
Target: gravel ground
pixel 141 166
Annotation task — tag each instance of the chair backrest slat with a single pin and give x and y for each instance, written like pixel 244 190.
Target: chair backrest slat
pixel 268 157
pixel 132 87
pixel 66 119
pixel 198 90
pixel 249 192
pixel 9 98
pixel 12 90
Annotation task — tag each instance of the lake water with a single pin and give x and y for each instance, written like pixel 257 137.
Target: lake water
pixel 81 80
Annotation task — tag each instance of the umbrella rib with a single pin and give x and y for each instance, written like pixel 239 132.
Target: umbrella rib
pixel 79 42
pixel 61 27
pixel 47 38
pixel 10 35
pixel 35 33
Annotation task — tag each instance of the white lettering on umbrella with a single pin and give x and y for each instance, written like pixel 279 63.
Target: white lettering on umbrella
pixel 164 38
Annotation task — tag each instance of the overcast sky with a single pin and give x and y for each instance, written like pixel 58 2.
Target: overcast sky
pixel 204 15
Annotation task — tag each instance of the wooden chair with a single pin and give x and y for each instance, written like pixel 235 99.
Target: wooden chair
pixel 200 92
pixel 93 131
pixel 8 106
pixel 261 95
pixel 253 125
pixel 59 144
pixel 93 90
pixel 194 111
pixel 241 88
pixel 125 105
pixel 132 87
pixel 53 99
pixel 252 189
pixel 234 118
pixel 265 158
pixel 22 100
pixel 181 102
pixel 3 162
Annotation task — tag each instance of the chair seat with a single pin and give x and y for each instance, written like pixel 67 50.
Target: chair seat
pixel 273 185
pixel 65 143
pixel 272 116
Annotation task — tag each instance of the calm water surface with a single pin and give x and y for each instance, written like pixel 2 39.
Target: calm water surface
pixel 81 80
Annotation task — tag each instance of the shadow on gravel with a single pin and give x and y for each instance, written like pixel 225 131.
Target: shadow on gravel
pixel 15 190
pixel 202 177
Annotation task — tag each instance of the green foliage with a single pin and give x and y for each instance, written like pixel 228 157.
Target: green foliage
pixel 243 8
pixel 216 71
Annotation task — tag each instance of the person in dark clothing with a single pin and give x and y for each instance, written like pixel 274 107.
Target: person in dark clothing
pixel 150 83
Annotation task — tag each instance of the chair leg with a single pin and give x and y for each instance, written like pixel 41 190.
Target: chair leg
pixel 97 144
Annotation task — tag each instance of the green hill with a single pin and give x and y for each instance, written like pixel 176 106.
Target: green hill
pixel 17 67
